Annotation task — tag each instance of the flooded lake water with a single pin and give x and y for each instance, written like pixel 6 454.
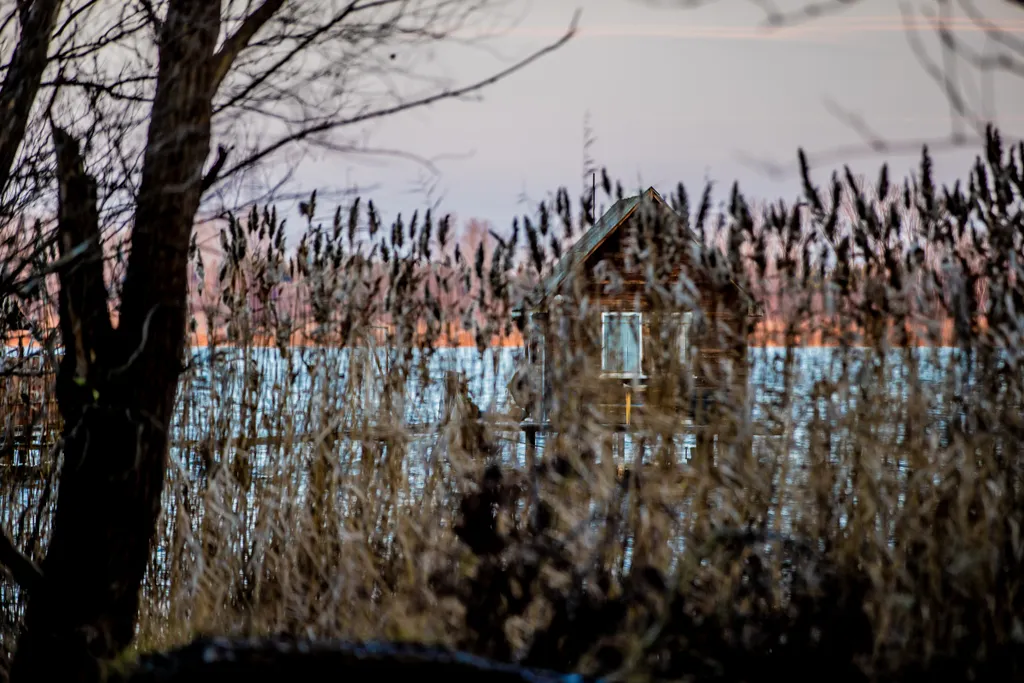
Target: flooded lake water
pixel 267 395
pixel 264 394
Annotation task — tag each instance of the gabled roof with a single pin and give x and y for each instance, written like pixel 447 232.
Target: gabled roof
pixel 593 238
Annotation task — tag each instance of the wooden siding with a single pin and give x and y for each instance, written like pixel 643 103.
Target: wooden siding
pixel 612 392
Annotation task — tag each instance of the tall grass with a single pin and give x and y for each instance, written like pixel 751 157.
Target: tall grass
pixel 853 511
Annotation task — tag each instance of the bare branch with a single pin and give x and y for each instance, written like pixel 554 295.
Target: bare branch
pixel 112 90
pixel 238 40
pixel 845 153
pixel 946 73
pixel 290 55
pixel 1007 40
pixel 23 570
pixel 774 17
pixel 405 106
pixel 812 10
pixel 856 122
pixel 147 7
pixel 218 165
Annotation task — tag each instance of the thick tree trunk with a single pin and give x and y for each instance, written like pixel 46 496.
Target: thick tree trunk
pixel 117 387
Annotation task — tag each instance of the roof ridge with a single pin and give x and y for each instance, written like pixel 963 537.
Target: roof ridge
pixel 596 234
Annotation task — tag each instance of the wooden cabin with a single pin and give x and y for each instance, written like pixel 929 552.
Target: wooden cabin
pixel 610 285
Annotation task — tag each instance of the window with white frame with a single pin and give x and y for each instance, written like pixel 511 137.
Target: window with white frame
pixel 621 344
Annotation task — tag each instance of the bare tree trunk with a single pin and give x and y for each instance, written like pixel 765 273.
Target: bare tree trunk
pixel 117 388
pixel 23 78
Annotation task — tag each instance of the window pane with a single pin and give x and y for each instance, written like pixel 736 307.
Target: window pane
pixel 621 343
pixel 686 320
pixel 611 356
pixel 630 343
